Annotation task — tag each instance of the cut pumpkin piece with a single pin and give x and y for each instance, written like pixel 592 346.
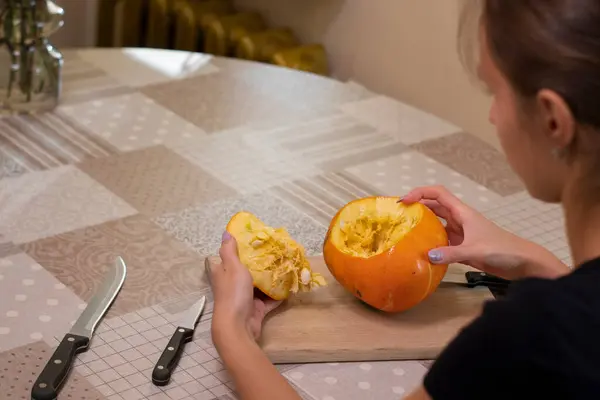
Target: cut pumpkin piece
pixel 376 248
pixel 277 263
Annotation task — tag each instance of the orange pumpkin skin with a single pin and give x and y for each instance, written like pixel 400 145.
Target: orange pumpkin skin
pixel 400 277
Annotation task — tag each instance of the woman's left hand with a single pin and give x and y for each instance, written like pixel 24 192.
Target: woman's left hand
pixel 237 309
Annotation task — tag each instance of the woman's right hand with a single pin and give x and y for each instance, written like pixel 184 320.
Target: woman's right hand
pixel 476 241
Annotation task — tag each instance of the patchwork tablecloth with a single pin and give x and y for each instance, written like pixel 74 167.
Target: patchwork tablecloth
pixel 150 154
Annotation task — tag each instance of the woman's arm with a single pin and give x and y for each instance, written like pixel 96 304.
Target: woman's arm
pixel 236 325
pixel 539 262
pixel 419 394
pixel 254 375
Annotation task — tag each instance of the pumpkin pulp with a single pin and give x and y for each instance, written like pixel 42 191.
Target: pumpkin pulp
pixel 366 229
pixel 277 263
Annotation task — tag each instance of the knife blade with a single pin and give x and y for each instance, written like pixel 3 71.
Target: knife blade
pixel 50 381
pixel 184 333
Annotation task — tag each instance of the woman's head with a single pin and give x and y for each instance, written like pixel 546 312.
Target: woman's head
pixel 541 62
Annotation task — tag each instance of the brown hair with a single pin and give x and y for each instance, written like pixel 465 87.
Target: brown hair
pixel 544 44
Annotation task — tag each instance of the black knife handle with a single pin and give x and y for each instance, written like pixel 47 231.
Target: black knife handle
pixel 49 382
pixel 170 356
pixel 483 279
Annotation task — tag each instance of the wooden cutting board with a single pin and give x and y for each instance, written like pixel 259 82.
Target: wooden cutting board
pixel 331 325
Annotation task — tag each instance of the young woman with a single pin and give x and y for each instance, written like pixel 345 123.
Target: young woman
pixel 541 62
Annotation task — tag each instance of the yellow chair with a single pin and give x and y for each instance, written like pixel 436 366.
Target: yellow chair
pixel 261 46
pixel 310 58
pixel 224 33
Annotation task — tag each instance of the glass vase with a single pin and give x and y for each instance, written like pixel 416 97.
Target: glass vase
pixel 30 67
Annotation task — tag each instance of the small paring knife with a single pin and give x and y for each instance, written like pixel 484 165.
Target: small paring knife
pixel 48 384
pixel 161 375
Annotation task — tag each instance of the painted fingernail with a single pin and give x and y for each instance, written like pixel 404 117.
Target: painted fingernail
pixel 226 236
pixel 435 256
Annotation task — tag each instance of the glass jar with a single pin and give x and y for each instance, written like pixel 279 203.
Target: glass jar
pixel 30 67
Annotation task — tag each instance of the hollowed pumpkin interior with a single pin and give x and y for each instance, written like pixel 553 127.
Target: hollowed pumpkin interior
pixel 371 226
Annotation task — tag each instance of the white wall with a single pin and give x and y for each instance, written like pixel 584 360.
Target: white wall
pixel 80 24
pixel 403 48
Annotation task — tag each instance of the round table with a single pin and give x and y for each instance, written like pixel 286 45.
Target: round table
pixel 148 156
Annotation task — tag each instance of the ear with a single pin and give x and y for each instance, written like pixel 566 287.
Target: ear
pixel 557 118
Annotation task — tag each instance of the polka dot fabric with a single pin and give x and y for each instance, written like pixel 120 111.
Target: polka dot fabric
pixel 26 287
pixel 401 173
pixel 340 381
pixel 20 367
pixel 132 121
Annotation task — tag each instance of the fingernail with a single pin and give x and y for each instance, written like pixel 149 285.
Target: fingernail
pixel 400 199
pixel 226 236
pixel 435 256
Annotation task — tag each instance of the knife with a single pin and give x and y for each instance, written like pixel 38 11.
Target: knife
pixel 52 377
pixel 482 279
pixel 172 353
pixel 473 279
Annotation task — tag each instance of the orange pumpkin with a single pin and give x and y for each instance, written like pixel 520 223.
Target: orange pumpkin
pixel 277 263
pixel 376 248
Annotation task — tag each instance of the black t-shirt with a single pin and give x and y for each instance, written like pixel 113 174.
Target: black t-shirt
pixel 540 341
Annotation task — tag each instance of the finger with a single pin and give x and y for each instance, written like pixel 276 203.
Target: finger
pixel 437 208
pixel 213 271
pixel 270 305
pixel 443 213
pixel 452 254
pixel 229 251
pixel 430 203
pixel 437 193
pixel 207 270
